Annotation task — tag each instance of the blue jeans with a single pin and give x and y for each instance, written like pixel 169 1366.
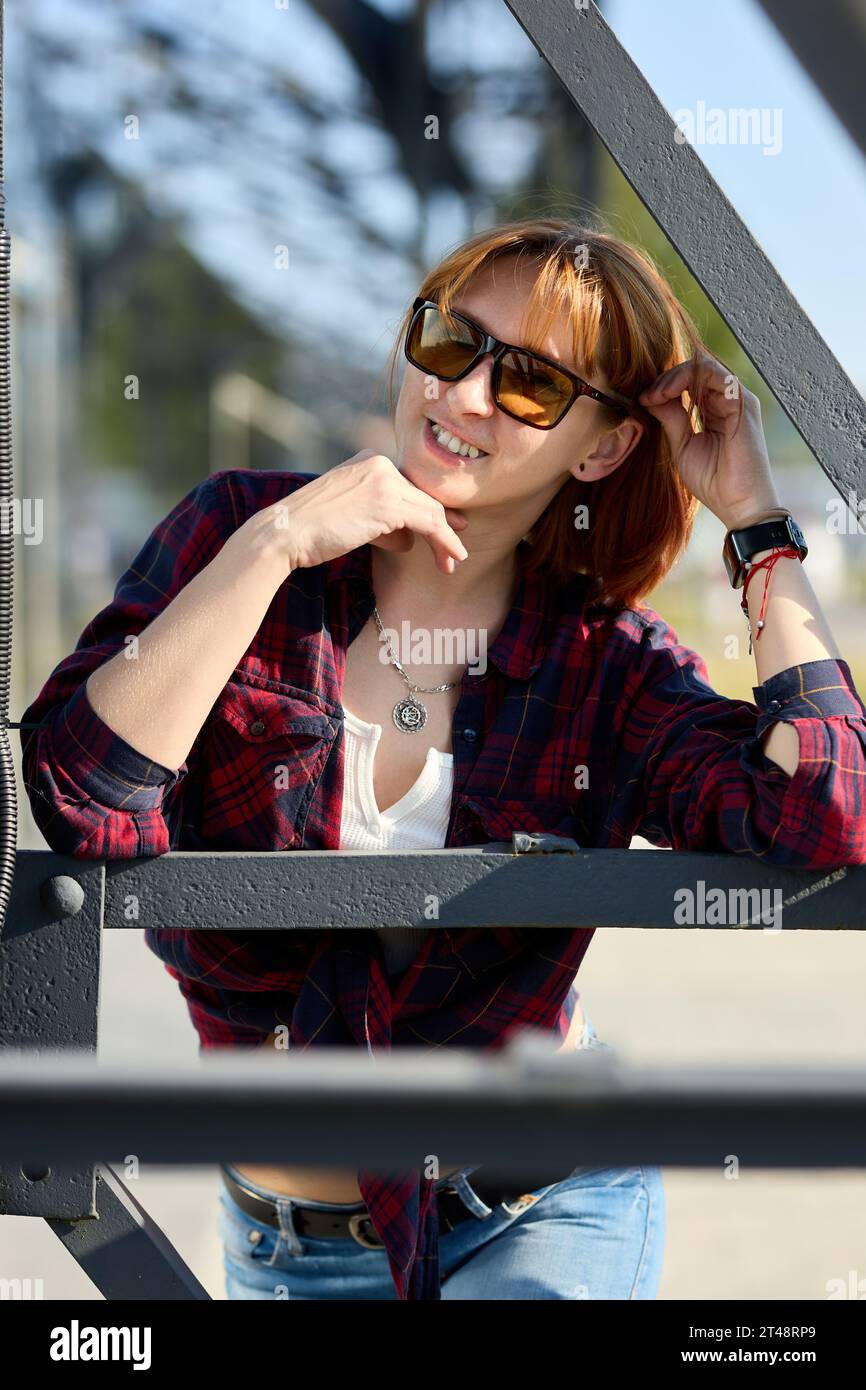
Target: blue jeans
pixel 598 1234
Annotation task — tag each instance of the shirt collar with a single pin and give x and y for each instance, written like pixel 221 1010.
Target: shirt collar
pixel 519 648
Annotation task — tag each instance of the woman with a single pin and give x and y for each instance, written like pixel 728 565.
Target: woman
pixel 248 688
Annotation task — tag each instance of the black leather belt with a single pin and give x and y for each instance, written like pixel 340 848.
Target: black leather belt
pixel 353 1219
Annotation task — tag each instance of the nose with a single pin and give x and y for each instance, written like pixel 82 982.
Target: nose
pixel 473 394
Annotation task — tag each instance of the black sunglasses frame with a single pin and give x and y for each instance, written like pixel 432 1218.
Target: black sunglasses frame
pixel 498 348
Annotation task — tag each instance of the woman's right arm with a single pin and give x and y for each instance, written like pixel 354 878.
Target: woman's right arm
pixel 117 717
pixel 159 700
pixel 157 693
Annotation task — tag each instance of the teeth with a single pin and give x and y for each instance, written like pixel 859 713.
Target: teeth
pixel 455 444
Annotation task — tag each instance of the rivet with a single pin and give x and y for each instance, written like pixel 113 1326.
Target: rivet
pixel 61 896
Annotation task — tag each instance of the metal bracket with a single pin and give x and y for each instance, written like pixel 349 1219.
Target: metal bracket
pixel 123 1251
pixel 523 842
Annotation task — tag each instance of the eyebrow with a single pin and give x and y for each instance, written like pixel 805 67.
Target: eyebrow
pixel 533 352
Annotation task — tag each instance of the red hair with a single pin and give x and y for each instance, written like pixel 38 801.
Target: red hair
pixel 628 325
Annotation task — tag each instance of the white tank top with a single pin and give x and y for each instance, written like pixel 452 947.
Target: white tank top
pixel 419 820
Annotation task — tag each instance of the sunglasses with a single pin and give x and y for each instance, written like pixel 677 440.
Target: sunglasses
pixel 526 386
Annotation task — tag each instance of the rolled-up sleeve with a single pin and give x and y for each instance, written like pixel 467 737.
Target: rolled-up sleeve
pixel 92 794
pixel 692 772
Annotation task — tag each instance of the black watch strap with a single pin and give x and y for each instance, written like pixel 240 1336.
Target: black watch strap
pixel 769 534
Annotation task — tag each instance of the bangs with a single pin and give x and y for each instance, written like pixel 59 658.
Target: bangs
pixel 560 290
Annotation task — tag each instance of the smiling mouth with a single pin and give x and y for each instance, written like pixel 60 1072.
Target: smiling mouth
pixel 453 443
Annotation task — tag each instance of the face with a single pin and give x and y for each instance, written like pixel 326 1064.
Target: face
pixel 521 468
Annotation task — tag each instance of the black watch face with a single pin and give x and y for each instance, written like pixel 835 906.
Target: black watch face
pixel 731 558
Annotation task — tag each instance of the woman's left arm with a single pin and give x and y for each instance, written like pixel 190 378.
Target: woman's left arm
pixel 728 470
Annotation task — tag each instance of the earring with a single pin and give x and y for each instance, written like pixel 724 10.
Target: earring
pixel 581 466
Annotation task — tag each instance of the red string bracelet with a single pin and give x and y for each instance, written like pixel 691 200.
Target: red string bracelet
pixel 766 564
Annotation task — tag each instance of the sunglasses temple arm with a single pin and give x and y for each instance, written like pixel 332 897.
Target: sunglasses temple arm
pixel 633 408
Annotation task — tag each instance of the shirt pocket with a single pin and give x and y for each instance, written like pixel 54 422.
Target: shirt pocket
pixel 265 750
pixel 496 819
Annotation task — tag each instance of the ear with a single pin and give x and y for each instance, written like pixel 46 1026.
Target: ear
pixel 612 449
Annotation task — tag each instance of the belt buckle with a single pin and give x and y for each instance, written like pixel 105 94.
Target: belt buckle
pixel 527 1200
pixel 369 1240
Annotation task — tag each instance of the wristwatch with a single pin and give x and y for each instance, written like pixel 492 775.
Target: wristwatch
pixel 741 545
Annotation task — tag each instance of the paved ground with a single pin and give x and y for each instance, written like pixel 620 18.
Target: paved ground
pixel 705 996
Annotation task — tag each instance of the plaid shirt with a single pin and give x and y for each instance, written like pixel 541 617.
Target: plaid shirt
pixel 588 722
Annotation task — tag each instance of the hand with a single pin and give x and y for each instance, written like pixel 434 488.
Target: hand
pixel 725 467
pixel 365 499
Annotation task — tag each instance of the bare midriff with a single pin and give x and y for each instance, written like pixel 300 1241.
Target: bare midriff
pixel 341 1184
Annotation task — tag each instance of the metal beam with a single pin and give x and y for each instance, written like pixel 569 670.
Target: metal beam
pixel 831 45
pixel 49 997
pixel 678 191
pixel 524 1105
pixel 479 887
pixel 123 1251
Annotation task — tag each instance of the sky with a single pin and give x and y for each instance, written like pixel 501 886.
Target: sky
pixel 806 205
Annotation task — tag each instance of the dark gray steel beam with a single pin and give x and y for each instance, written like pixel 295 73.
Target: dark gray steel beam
pixel 49 998
pixel 49 952
pixel 830 42
pixel 123 1251
pixel 475 887
pixel 513 1110
pixel 678 191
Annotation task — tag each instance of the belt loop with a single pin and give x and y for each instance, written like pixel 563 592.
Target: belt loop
pixel 288 1236
pixel 588 1033
pixel 468 1196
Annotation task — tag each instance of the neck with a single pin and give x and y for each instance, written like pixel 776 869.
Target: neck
pixel 408 584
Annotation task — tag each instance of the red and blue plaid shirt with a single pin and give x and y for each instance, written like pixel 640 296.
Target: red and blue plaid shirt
pixel 587 722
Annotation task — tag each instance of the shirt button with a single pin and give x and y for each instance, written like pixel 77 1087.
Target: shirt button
pixel 254 1237
pixel 257 727
pixel 375 829
pixel 469 735
pixel 773 706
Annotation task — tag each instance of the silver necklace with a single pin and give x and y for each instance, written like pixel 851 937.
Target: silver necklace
pixel 409 714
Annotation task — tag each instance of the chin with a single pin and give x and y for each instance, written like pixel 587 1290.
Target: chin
pixel 451 486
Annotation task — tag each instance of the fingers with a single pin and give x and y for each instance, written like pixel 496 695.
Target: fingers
pixel 395 540
pixel 715 378
pixel 428 518
pixel 412 510
pixel 444 550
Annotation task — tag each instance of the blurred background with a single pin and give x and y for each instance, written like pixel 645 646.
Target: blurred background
pixel 218 215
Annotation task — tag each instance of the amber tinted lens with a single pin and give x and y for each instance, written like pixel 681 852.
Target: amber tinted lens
pixel 533 391
pixel 439 348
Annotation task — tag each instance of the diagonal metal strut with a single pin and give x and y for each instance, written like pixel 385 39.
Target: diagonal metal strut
pixel 831 45
pixel 678 191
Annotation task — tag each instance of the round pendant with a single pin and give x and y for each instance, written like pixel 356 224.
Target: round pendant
pixel 410 715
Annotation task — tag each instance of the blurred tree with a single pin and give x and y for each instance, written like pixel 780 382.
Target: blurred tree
pixel 148 310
